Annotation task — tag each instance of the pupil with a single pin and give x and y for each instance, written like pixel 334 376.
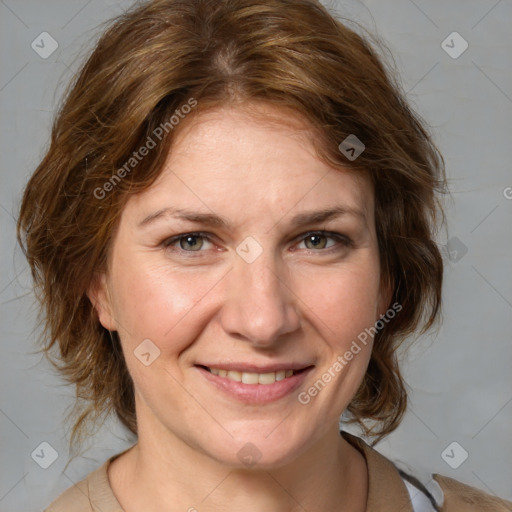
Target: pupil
pixel 315 237
pixel 191 238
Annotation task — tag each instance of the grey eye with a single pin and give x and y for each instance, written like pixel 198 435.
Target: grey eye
pixel 193 242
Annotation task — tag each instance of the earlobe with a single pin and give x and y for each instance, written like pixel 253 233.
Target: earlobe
pixel 99 296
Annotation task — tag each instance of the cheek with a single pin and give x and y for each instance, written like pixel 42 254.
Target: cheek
pixel 341 302
pixel 342 307
pixel 157 302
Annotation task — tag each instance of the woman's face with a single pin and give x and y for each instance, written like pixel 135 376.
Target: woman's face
pixel 255 293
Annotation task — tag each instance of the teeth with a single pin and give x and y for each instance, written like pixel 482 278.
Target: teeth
pixel 234 375
pixel 266 378
pixel 252 378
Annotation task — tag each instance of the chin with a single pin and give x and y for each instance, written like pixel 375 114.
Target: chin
pixel 259 450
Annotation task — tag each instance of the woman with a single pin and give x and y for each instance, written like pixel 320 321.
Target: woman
pixel 232 232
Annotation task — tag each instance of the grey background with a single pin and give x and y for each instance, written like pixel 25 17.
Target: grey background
pixel 460 380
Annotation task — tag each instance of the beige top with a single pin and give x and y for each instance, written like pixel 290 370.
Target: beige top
pixel 386 490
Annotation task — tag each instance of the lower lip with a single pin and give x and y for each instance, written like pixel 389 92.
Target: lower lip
pixel 256 393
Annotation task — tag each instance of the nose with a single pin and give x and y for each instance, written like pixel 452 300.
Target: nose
pixel 259 305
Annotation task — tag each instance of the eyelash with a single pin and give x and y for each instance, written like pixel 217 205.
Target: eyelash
pixel 343 241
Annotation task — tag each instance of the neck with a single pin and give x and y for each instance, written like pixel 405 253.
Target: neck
pixel 163 472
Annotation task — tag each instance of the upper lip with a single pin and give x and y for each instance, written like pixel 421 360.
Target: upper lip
pixel 256 368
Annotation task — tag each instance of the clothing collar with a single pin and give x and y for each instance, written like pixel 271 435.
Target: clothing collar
pixel 386 489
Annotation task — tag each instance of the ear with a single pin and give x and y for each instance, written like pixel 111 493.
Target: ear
pixel 100 299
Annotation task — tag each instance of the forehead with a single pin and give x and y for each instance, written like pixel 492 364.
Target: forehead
pixel 255 116
pixel 257 157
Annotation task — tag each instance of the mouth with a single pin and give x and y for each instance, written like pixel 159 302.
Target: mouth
pixel 246 377
pixel 254 387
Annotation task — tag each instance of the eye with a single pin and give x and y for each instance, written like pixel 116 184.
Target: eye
pixel 188 242
pixel 317 241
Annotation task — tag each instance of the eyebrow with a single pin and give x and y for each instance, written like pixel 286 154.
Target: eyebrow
pixel 214 220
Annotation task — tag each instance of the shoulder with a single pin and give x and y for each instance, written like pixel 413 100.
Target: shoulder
pixel 73 499
pixel 92 494
pixel 442 494
pixel 459 497
pixel 449 495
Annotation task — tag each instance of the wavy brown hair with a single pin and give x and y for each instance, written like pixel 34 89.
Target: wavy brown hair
pixel 151 61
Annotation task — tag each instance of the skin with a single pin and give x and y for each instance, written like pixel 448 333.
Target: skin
pixel 296 301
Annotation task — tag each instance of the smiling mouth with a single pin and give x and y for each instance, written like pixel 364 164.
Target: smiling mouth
pixel 251 377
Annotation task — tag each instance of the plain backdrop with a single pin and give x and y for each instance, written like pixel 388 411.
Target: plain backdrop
pixel 460 380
